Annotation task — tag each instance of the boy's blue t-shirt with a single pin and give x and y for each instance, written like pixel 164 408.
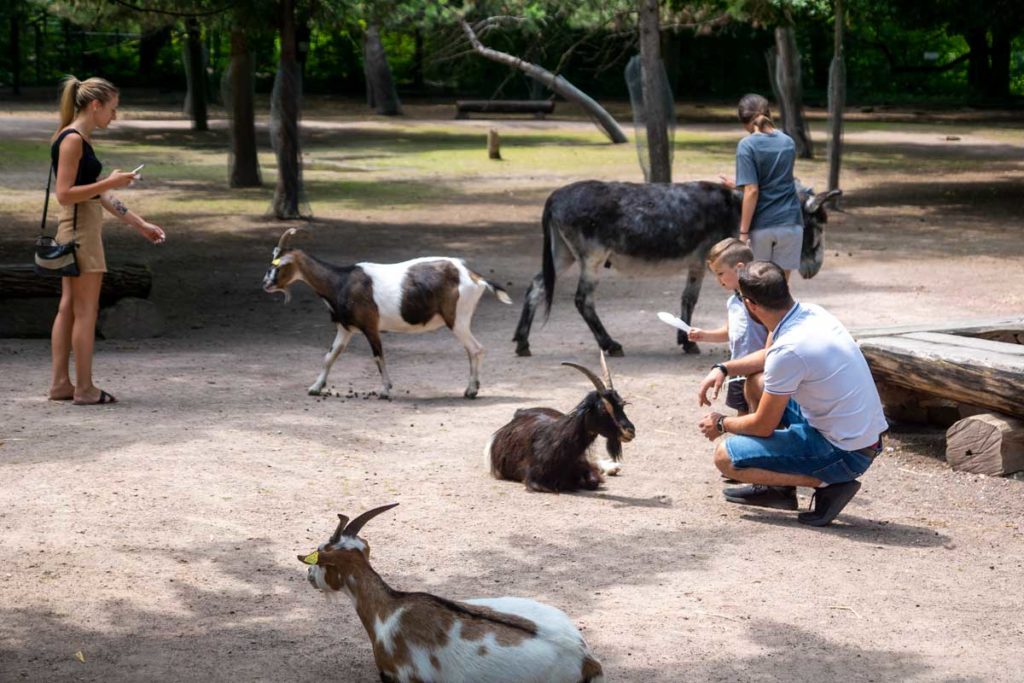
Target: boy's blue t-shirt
pixel 746 335
pixel 766 159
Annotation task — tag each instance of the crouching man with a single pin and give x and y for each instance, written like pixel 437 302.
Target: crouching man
pixel 819 421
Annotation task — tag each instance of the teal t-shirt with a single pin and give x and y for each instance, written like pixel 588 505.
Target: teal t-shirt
pixel 766 159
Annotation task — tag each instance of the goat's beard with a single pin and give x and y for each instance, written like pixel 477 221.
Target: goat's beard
pixel 614 447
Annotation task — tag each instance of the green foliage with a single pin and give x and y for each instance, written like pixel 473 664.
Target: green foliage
pixel 587 40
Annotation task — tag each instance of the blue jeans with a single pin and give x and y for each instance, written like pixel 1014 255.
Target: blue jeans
pixel 797 448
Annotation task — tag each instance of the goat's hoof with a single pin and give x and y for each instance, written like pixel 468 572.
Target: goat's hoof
pixel 610 469
pixel 523 350
pixel 614 349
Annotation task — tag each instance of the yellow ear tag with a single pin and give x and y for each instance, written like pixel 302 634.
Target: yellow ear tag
pixel 276 262
pixel 312 557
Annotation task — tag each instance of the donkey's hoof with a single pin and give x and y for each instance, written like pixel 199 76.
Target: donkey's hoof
pixel 470 393
pixel 523 350
pixel 690 347
pixel 614 349
pixel 315 390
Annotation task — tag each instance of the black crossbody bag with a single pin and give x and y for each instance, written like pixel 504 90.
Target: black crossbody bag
pixel 52 259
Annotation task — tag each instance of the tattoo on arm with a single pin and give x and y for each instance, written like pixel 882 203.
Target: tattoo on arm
pixel 118 205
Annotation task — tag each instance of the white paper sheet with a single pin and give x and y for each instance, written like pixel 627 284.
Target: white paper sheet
pixel 672 320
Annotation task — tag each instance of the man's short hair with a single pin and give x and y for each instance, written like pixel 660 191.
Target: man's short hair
pixel 729 252
pixel 765 284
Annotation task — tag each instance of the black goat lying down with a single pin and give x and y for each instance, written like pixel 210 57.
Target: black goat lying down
pixel 547 450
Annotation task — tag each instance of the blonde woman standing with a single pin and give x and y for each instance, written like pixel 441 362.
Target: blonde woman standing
pixel 84 107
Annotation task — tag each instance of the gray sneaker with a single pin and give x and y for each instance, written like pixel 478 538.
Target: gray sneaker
pixel 777 497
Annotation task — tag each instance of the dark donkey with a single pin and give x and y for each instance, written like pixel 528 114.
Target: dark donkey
pixel 642 229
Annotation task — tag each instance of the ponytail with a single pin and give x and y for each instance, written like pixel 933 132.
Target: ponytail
pixel 753 109
pixel 68 95
pixel 76 94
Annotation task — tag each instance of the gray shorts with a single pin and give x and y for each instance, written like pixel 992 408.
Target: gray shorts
pixel 781 246
pixel 734 397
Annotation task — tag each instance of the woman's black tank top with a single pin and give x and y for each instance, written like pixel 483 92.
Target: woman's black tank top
pixel 89 166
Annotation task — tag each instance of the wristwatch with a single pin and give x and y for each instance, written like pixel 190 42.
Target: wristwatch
pixel 720 424
pixel 721 366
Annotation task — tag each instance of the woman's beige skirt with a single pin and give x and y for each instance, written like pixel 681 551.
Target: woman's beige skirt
pixel 88 233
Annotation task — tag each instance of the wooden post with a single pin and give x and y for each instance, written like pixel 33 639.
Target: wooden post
pixel 654 93
pixel 988 443
pixel 493 144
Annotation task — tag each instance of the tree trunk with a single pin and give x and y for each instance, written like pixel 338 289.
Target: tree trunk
pixel 654 93
pixel 787 71
pixel 380 87
pixel 149 49
pixel 417 60
pixel 15 47
pixel 999 72
pixel 836 102
pixel 284 129
pixel 196 74
pixel 556 84
pixel 245 165
pixel 977 67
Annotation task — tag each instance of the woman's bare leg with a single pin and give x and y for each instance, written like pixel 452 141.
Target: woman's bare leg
pixel 86 305
pixel 60 345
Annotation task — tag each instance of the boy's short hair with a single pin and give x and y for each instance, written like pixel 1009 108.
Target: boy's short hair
pixel 765 284
pixel 729 252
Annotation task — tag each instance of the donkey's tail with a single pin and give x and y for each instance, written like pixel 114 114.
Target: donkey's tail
pixel 548 260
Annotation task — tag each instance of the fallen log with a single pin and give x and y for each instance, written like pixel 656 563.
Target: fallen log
pixel 20 281
pixel 977 372
pixel 987 443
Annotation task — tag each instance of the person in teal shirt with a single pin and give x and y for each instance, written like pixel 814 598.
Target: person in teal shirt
pixel 771 220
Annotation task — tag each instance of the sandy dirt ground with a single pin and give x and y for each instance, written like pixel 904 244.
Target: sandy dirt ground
pixel 157 537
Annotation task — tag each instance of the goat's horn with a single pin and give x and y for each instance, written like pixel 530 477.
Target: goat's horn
pixel 336 536
pixel 357 524
pixel 817 201
pixel 598 384
pixel 283 242
pixel 605 371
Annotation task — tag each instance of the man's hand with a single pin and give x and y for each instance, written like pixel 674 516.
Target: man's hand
pixel 714 381
pixel 708 426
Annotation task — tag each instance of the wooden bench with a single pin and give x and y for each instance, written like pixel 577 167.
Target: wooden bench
pixel 976 369
pixel 539 108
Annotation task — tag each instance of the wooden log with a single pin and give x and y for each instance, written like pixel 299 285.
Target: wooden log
pixel 464 107
pixel 962 369
pixel 987 443
pixel 493 144
pixel 20 281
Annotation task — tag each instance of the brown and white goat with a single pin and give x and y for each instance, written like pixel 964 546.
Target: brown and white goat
pixel 419 637
pixel 547 450
pixel 412 297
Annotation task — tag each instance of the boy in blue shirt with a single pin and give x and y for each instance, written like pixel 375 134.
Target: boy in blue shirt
pixel 744 334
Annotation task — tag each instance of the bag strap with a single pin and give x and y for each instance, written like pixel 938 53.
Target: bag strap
pixel 46 202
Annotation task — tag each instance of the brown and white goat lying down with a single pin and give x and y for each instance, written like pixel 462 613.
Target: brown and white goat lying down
pixel 547 450
pixel 418 637
pixel 412 297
